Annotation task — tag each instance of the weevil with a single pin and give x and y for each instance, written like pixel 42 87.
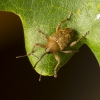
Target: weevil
pixel 57 42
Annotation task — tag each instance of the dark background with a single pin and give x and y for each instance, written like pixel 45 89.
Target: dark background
pixel 79 79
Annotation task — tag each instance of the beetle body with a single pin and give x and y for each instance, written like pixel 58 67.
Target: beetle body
pixel 57 42
pixel 60 40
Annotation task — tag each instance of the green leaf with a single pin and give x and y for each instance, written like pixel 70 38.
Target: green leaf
pixel 45 15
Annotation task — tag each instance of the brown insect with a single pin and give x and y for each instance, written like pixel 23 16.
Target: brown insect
pixel 57 42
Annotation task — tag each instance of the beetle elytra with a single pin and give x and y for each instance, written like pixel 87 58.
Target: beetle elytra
pixel 57 42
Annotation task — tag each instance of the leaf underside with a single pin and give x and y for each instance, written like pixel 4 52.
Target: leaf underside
pixel 45 15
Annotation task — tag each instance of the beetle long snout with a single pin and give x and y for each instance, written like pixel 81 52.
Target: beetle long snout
pixel 40 59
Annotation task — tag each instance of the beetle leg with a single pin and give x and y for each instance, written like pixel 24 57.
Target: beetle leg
pixel 37 44
pixel 55 69
pixel 69 51
pixel 75 42
pixel 58 26
pixel 46 37
pixel 29 53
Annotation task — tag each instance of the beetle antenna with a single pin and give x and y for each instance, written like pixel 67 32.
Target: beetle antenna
pixel 40 78
pixel 41 74
pixel 37 63
pixel 40 59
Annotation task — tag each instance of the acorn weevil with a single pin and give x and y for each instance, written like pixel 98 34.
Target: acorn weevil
pixel 57 42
